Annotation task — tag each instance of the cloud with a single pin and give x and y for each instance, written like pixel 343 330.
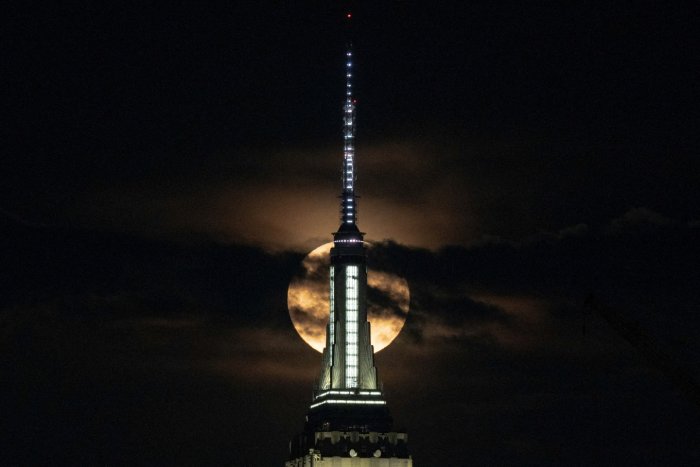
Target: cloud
pixel 520 294
pixel 165 345
pixel 429 199
pixel 509 293
pixel 134 333
pixel 638 218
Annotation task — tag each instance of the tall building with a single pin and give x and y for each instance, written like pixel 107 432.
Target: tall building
pixel 348 422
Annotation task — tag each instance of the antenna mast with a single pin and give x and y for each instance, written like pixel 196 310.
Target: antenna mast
pixel 348 203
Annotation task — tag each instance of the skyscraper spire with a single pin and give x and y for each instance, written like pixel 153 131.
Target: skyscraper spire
pixel 348 363
pixel 348 415
pixel 348 203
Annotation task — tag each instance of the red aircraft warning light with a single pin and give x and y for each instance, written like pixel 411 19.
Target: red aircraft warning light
pixel 349 15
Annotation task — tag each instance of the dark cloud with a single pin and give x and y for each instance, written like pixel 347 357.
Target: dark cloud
pixel 474 121
pixel 645 257
pixel 121 350
pixel 160 163
pixel 150 391
pixel 513 313
pixel 132 335
pixel 383 304
pixel 130 272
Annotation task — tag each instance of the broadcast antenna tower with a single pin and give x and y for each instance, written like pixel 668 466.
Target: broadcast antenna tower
pixel 348 204
pixel 348 415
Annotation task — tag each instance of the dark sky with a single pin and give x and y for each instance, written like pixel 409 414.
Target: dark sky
pixel 165 167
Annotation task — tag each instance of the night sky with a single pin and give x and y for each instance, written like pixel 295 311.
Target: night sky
pixel 165 168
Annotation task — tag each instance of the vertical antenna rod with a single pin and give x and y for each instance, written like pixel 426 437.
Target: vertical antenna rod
pixel 348 203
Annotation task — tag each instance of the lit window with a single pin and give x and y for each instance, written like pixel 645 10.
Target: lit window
pixel 351 326
pixel 349 402
pixel 331 329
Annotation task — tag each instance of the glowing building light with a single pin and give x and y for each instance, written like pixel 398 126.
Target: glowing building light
pixel 331 323
pixel 335 393
pixel 348 402
pixel 348 395
pixel 351 326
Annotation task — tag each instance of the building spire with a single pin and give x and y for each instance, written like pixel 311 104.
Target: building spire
pixel 348 416
pixel 348 204
pixel 348 368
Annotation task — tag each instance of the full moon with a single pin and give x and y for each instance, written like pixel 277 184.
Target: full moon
pixel 388 300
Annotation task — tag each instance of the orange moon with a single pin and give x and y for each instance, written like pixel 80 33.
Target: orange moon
pixel 388 299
